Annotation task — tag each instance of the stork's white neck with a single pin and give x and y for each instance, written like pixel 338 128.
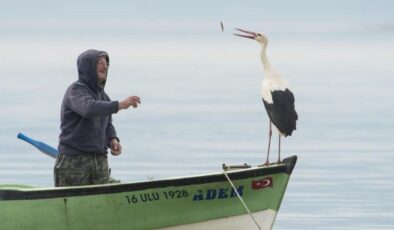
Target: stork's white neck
pixel 264 59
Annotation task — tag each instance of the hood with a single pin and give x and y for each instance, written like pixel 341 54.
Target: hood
pixel 87 68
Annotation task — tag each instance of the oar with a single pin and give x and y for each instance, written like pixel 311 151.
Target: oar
pixel 44 148
pixel 50 151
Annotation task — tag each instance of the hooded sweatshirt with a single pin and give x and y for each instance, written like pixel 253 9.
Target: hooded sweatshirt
pixel 86 121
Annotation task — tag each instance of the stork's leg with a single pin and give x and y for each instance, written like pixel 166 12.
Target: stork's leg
pixel 269 144
pixel 279 150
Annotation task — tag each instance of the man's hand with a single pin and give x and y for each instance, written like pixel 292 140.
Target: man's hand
pixel 116 148
pixel 130 101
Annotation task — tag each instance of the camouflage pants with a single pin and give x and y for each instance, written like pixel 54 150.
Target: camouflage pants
pixel 83 169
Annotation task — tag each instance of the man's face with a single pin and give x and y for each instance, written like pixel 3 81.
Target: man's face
pixel 102 68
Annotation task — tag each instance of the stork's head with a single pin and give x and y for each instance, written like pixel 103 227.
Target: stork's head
pixel 260 38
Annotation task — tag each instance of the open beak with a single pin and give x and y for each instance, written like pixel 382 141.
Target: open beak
pixel 252 35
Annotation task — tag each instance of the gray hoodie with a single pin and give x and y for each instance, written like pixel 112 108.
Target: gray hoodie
pixel 86 121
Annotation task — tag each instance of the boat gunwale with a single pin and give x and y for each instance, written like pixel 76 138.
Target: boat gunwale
pixel 8 194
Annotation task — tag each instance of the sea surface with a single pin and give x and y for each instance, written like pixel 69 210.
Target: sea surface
pixel 201 107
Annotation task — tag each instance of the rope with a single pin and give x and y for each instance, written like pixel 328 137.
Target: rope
pixel 242 201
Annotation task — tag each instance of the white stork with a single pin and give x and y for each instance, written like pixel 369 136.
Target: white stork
pixel 278 99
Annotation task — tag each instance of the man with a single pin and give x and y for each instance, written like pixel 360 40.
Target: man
pixel 86 124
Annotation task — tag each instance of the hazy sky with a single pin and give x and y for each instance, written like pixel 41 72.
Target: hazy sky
pixel 48 28
pixel 190 18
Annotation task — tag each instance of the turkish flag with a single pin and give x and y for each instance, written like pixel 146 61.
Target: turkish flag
pixel 263 183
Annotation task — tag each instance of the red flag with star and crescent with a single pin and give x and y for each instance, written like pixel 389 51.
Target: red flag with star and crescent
pixel 263 183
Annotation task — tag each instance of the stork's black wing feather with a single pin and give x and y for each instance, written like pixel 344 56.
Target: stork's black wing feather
pixel 282 111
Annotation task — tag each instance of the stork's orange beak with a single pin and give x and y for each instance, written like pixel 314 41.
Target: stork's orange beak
pixel 251 36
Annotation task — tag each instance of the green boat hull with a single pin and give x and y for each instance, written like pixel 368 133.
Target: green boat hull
pixel 184 202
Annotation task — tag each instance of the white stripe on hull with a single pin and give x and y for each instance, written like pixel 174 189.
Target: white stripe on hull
pixel 265 219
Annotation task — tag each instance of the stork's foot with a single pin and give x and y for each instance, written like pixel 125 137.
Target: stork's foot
pixel 265 164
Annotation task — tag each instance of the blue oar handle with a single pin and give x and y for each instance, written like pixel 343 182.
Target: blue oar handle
pixel 48 150
pixel 44 148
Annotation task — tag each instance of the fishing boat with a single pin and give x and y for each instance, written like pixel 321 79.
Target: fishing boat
pixel 240 198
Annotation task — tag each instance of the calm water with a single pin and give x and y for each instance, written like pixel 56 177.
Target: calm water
pixel 201 107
